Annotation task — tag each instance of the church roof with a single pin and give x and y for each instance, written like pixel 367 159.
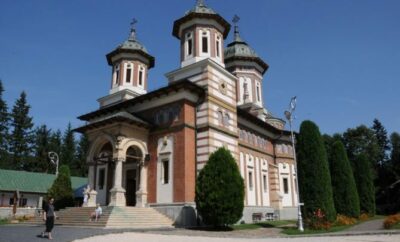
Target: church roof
pixel 173 87
pixel 117 117
pixel 201 11
pixel 131 45
pixel 33 182
pixel 240 50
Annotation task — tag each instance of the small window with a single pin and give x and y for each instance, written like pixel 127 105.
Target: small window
pixel 265 182
pixel 285 186
pixel 102 176
pixel 23 202
pixel 128 73
pixel 141 73
pixel 116 71
pixel 295 186
pixel 165 171
pixel 220 117
pixel 189 44
pixel 204 42
pixel 258 93
pixel 11 202
pixel 218 46
pixel 251 180
pixel 226 119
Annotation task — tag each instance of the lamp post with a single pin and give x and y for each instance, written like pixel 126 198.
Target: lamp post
pixel 289 117
pixel 53 156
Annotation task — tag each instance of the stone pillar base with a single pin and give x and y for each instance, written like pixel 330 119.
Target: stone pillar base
pixel 92 199
pixel 141 199
pixel 117 197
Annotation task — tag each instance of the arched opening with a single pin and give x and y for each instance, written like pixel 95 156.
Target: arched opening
pixel 104 173
pixel 134 157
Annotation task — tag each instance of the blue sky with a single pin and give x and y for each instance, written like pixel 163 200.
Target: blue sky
pixel 340 57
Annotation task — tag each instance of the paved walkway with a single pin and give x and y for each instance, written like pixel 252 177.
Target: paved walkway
pixel 372 225
pixel 128 237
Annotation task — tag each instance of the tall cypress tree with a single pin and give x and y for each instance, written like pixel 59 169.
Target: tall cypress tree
pixel 68 147
pixel 80 166
pixel 344 187
pixel 21 138
pixel 42 139
pixel 382 141
pixel 313 169
pixel 4 126
pixel 365 185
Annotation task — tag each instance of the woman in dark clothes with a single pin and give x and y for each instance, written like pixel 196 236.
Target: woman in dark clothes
pixel 48 217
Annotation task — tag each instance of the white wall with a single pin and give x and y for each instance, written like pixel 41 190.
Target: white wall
pixel 165 150
pixel 251 191
pixel 284 173
pixel 32 199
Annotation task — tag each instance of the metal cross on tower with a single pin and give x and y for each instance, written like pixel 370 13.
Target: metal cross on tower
pixel 133 30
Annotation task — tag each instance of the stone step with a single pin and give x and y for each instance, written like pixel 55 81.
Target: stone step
pixel 112 217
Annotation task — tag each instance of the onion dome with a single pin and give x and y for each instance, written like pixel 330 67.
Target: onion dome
pixel 133 46
pixel 239 50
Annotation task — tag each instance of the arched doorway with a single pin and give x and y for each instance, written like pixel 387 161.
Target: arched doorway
pixel 104 173
pixel 134 158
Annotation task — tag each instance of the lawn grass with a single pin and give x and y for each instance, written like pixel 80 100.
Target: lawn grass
pixel 3 221
pixel 265 224
pixel 396 226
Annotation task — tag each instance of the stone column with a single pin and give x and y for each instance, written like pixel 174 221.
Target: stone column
pixel 117 197
pixel 141 194
pixel 91 176
pixel 92 195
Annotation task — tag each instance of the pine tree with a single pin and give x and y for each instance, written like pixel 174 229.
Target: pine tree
pixel 4 126
pixel 68 147
pixel 361 140
pixel 343 184
pixel 365 185
pixel 313 169
pixel 42 139
pixel 61 190
pixel 81 155
pixel 395 153
pixel 21 138
pixel 220 190
pixel 382 141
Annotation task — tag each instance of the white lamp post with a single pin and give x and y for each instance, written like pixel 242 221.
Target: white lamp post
pixel 289 117
pixel 53 156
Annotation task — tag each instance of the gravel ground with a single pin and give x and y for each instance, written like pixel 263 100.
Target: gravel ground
pixel 128 237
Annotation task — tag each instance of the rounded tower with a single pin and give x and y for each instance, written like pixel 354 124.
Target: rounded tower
pixel 242 61
pixel 130 64
pixel 202 32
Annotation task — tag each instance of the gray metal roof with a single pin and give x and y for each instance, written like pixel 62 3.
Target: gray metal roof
pixel 201 8
pixel 239 47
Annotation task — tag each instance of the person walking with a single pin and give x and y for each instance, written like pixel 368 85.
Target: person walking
pixel 48 217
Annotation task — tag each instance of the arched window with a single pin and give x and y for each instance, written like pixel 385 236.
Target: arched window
pixel 189 44
pixel 258 92
pixel 220 117
pixel 141 76
pixel 128 72
pixel 226 119
pixel 204 42
pixel 218 46
pixel 116 74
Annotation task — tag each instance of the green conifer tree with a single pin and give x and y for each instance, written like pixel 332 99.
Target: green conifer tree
pixel 220 190
pixel 80 166
pixel 313 170
pixel 42 138
pixel 21 139
pixel 68 147
pixel 61 190
pixel 343 184
pixel 365 185
pixel 4 128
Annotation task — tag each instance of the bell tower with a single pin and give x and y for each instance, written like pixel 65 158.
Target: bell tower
pixel 201 33
pixel 243 62
pixel 130 64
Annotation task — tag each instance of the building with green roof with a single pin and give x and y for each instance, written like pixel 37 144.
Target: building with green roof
pixel 31 186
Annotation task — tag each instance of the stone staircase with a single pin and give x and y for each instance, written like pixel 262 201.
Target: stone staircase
pixel 112 217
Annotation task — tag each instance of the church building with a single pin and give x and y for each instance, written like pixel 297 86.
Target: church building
pixel 147 147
